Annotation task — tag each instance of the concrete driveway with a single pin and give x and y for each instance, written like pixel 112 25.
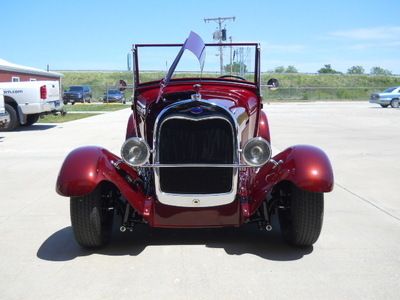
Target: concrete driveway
pixel 356 257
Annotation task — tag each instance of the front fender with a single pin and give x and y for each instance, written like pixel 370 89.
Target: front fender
pixel 83 169
pixel 307 167
pixel 86 167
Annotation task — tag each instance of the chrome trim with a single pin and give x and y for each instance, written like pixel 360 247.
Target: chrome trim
pixel 202 200
pixel 197 166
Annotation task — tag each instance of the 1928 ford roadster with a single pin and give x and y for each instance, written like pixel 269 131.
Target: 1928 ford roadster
pixel 197 154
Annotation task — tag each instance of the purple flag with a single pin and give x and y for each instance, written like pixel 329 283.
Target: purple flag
pixel 195 44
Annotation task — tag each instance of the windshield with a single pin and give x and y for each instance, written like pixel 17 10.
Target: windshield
pixel 389 90
pixel 153 62
pixel 76 88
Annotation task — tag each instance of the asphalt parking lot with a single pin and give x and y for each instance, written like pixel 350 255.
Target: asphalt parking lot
pixel 356 257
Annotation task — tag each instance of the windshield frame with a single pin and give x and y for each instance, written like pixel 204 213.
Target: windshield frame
pixel 136 71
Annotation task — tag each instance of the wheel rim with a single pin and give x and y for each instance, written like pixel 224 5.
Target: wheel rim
pixel 8 119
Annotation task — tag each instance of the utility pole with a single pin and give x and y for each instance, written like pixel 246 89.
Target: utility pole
pixel 220 21
pixel 231 62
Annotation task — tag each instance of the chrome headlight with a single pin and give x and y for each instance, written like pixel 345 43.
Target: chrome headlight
pixel 256 152
pixel 135 151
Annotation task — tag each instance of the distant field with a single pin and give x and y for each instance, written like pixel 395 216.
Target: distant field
pixel 293 86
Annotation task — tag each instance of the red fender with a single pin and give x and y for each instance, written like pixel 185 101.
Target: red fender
pixel 263 127
pixel 305 166
pixel 86 167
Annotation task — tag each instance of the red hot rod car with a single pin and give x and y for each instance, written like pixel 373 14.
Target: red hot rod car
pixel 197 154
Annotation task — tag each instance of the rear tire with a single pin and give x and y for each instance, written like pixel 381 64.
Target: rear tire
pixel 301 220
pixel 91 219
pixel 13 122
pixel 31 119
pixel 395 103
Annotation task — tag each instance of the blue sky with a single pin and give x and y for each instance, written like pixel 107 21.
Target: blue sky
pixel 98 34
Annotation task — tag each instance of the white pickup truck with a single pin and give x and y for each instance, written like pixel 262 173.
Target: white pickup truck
pixel 26 101
pixel 3 115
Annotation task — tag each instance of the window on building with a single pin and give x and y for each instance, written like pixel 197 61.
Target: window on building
pixel 32 79
pixel 15 79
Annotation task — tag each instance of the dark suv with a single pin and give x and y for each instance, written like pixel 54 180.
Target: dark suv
pixel 78 93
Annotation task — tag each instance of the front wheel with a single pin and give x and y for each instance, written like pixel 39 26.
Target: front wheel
pixel 91 219
pixel 395 103
pixel 384 105
pixel 301 216
pixel 13 121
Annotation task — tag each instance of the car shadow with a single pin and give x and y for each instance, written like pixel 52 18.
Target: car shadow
pixel 248 239
pixel 34 127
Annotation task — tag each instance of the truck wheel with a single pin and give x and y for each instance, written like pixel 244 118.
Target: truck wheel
pixel 13 118
pixel 91 219
pixel 31 119
pixel 394 103
pixel 302 216
pixel 384 105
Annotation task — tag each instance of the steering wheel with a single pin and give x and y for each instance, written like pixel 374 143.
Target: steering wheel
pixel 232 76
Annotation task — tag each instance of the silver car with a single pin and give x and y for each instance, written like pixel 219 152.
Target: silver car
pixel 388 97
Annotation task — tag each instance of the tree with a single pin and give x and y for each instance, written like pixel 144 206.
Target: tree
pixel 327 69
pixel 280 69
pixel 380 71
pixel 356 70
pixel 291 69
pixel 237 67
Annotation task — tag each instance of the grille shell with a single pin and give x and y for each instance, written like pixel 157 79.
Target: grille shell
pixel 196 141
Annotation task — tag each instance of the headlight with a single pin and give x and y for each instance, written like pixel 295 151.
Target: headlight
pixel 135 151
pixel 256 152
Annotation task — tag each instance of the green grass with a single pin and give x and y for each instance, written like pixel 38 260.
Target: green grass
pixel 95 107
pixel 65 118
pixel 293 87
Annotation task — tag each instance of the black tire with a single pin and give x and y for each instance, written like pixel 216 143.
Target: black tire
pixel 14 122
pixel 91 219
pixel 395 103
pixel 89 100
pixel 31 119
pixel 384 105
pixel 301 220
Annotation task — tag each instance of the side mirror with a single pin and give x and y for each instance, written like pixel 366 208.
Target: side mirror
pixel 273 84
